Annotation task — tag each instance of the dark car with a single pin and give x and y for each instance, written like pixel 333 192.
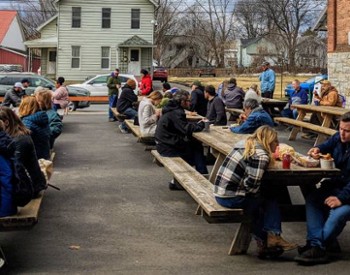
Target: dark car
pixel 160 73
pixel 308 85
pixel 7 80
pixel 208 70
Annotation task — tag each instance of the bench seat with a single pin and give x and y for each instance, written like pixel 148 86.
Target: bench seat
pixel 135 129
pixel 306 125
pixel 26 217
pixel 117 115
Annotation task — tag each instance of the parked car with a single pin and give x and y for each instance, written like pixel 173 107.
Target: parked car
pixel 7 80
pixel 208 70
pixel 97 85
pixel 307 85
pixel 160 73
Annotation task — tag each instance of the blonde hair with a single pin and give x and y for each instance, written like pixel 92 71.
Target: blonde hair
pixel 155 95
pixel 44 98
pixel 28 106
pixel 264 136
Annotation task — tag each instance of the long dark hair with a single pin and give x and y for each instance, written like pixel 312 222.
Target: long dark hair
pixel 13 124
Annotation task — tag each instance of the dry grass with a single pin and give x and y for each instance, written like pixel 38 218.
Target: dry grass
pixel 243 81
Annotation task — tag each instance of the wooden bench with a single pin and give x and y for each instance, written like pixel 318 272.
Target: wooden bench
pixel 117 115
pixel 201 190
pixel 306 125
pixel 135 129
pixel 26 217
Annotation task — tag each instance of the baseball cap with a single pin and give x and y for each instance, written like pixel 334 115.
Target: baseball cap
pixel 325 81
pixel 265 63
pixel 18 85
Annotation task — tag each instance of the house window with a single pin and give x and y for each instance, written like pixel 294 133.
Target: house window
pixel 105 55
pixel 106 18
pixel 75 57
pixel 135 18
pixel 76 17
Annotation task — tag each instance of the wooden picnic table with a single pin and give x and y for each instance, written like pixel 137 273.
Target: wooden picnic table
pixel 326 114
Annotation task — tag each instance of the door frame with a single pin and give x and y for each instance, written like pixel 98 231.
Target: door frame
pixel 139 67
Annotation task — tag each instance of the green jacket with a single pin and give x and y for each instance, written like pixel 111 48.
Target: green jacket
pixel 111 84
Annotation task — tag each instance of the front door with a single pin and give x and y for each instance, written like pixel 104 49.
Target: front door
pixel 134 66
pixel 51 62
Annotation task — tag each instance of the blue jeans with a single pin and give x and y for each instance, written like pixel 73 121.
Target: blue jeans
pixel 130 114
pixel 112 104
pixel 324 224
pixel 289 113
pixel 264 213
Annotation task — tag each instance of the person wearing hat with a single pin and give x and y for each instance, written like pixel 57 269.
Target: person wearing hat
pixel 60 96
pixel 198 101
pixel 233 96
pixel 267 80
pixel 146 83
pixel 14 96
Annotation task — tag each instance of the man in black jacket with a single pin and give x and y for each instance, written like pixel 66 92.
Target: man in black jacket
pixel 14 96
pixel 216 113
pixel 174 133
pixel 198 102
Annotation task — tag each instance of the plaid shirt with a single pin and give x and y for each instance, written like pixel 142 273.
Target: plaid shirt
pixel 238 176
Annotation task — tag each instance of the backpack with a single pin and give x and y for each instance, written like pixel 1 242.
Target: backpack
pixel 22 184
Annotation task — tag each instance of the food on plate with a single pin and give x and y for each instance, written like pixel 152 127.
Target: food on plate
pixel 283 149
pixel 305 161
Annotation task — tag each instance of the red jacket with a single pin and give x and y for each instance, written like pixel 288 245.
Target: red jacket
pixel 146 85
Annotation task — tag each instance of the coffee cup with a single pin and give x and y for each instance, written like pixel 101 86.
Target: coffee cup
pixel 206 126
pixel 327 163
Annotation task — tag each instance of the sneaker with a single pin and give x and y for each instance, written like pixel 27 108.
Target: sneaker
pixel 303 248
pixel 333 247
pixel 123 130
pixel 314 255
pixel 175 186
pixel 112 119
pixel 277 241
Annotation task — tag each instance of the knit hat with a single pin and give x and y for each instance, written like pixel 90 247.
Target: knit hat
pixel 197 83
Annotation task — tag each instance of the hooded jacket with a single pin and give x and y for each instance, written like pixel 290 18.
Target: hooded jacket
pixel 13 97
pixel 233 96
pixel 38 124
pixel 198 101
pixel 173 130
pixel 126 99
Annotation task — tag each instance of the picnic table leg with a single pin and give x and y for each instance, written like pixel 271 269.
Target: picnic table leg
pixel 326 122
pixel 219 160
pixel 242 239
pixel 293 134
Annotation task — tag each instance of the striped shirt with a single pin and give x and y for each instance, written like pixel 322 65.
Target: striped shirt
pixel 241 177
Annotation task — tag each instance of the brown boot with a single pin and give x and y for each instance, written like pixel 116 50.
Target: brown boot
pixel 276 240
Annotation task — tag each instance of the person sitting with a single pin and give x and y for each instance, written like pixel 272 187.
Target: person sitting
pixel 7 204
pixel 238 182
pixel 222 87
pixel 146 83
pixel 299 96
pixel 329 97
pixel 166 97
pixel 126 103
pixel 24 148
pixel 198 102
pixel 44 98
pixel 166 87
pixel 254 116
pixel 14 96
pixel 253 92
pixel 216 113
pixel 60 96
pixel 233 95
pixel 148 115
pixel 328 207
pixel 174 134
pixel 38 123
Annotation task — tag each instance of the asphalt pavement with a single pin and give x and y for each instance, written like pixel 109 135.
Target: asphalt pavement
pixel 115 215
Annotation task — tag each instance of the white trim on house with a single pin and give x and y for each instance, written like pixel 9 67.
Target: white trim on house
pixel 50 42
pixel 46 23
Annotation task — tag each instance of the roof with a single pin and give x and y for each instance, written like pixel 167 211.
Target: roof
pixel 135 41
pixel 154 2
pixel 46 23
pixel 321 23
pixel 250 41
pixel 50 42
pixel 6 18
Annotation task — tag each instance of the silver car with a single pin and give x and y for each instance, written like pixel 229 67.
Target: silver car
pixel 98 84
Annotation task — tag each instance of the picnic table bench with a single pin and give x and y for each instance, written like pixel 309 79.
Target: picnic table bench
pixel 120 117
pixel 201 190
pixel 135 129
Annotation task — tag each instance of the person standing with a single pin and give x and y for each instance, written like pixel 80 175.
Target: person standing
pixel 198 102
pixel 14 96
pixel 146 83
pixel 113 83
pixel 267 80
pixel 216 113
pixel 60 95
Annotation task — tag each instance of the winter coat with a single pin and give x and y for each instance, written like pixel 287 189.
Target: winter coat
pixel 60 96
pixel 233 96
pixel 25 153
pixel 13 97
pixel 146 85
pixel 216 113
pixel 330 97
pixel 126 99
pixel 55 124
pixel 111 84
pixel 251 94
pixel 147 118
pixel 198 101
pixel 256 118
pixel 7 205
pixel 267 81
pixel 173 129
pixel 38 124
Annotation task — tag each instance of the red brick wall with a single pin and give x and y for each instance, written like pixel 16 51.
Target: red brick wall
pixel 338 24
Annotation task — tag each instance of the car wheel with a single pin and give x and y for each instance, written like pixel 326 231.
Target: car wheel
pixel 72 106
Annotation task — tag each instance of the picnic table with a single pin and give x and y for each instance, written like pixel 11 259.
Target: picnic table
pixel 326 114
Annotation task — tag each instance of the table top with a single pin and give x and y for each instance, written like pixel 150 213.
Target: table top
pixel 222 139
pixel 332 110
pixel 272 101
